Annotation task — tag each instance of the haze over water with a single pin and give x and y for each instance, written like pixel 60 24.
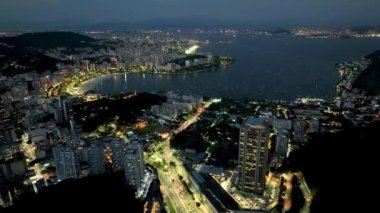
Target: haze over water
pixel 280 67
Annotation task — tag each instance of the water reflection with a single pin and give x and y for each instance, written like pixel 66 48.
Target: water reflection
pixel 279 67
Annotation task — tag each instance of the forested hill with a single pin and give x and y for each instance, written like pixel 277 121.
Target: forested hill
pixel 369 79
pixel 49 40
pixel 15 61
pixel 25 53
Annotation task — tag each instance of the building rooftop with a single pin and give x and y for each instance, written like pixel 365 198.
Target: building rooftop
pixel 255 121
pixel 206 169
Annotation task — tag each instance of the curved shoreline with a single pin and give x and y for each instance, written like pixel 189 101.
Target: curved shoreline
pixel 95 80
pixel 84 85
pixel 80 89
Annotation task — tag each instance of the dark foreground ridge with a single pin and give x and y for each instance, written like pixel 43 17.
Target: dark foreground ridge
pixel 106 191
pixel 338 168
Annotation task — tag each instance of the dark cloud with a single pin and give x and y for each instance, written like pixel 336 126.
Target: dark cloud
pixel 23 13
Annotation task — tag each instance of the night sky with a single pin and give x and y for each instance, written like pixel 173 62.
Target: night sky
pixel 34 14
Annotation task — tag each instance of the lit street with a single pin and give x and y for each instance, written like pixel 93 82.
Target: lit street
pixel 188 106
pixel 172 188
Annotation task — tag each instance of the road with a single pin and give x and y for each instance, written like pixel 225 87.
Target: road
pixel 172 187
pixel 194 118
pixel 169 192
pixel 167 152
pixel 302 185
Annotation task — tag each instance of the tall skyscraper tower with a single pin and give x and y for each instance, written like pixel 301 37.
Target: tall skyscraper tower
pixel 281 143
pixel 65 162
pixel 134 164
pixel 94 155
pixel 253 155
pixel 117 147
pixel 75 134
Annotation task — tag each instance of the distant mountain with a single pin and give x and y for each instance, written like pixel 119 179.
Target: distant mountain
pixel 14 60
pixel 365 29
pixel 281 31
pixel 20 54
pixel 9 51
pixel 48 40
pixel 369 79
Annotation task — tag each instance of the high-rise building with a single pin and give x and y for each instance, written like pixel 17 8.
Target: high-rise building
pixel 281 143
pixel 134 164
pixel 313 125
pixel 65 162
pixel 253 155
pixel 299 130
pixel 75 134
pixel 282 124
pixel 117 148
pixel 29 84
pixel 67 105
pixel 94 155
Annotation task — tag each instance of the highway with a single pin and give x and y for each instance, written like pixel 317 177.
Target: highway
pixel 171 186
pixel 169 192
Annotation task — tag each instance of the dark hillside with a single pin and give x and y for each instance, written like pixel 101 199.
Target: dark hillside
pixel 340 167
pixel 49 40
pixel 369 79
